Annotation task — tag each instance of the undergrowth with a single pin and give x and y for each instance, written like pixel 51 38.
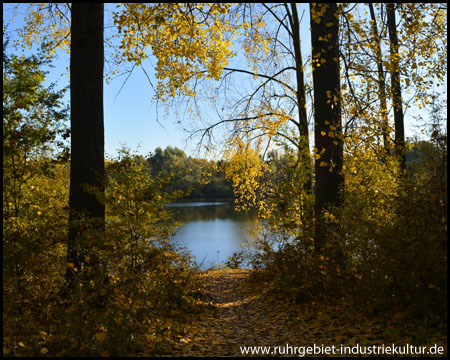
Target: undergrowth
pixel 386 250
pixel 136 290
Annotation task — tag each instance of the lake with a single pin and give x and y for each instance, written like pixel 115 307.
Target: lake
pixel 211 231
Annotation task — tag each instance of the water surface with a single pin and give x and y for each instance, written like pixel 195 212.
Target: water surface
pixel 212 231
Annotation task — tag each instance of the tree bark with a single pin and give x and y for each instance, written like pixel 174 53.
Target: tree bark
pixel 329 180
pixel 381 84
pixel 303 148
pixel 86 210
pixel 399 141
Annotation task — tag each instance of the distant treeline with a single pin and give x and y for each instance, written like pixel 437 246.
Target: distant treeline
pixel 205 179
pixel 197 178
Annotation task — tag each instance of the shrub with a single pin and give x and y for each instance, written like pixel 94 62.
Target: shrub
pixel 135 289
pixel 386 249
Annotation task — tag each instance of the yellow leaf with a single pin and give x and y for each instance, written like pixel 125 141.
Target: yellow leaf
pixel 323 163
pixel 100 336
pixel 44 350
pixel 69 265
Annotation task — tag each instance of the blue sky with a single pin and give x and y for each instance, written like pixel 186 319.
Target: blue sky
pixel 130 116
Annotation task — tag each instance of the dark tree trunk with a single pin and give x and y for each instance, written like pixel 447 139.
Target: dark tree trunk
pixel 328 139
pixel 399 141
pixel 87 133
pixel 303 148
pixel 381 84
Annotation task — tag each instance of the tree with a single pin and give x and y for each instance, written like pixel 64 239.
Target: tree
pixel 199 45
pixel 327 113
pixel 33 124
pixel 33 120
pixel 396 91
pixel 303 148
pixel 368 70
pixel 87 142
pixel 268 106
pixel 381 82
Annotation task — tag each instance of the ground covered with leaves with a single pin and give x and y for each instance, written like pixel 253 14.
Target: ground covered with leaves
pixel 237 314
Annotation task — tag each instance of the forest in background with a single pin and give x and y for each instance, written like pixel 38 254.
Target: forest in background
pixel 360 218
pixel 201 179
pixel 196 178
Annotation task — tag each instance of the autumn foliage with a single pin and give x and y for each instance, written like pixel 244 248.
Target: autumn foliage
pixel 141 284
pixel 387 249
pixel 380 249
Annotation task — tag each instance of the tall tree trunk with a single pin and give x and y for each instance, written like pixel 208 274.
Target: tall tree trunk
pixel 86 210
pixel 381 83
pixel 328 138
pixel 396 91
pixel 303 148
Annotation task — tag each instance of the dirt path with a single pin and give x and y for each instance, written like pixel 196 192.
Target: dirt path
pixel 239 317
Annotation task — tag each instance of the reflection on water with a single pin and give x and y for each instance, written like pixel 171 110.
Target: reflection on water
pixel 211 231
pixel 199 203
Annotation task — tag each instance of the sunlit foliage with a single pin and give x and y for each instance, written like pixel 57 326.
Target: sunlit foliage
pixel 387 252
pixel 191 41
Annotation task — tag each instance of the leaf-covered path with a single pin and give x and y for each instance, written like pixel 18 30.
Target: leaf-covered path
pixel 238 316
